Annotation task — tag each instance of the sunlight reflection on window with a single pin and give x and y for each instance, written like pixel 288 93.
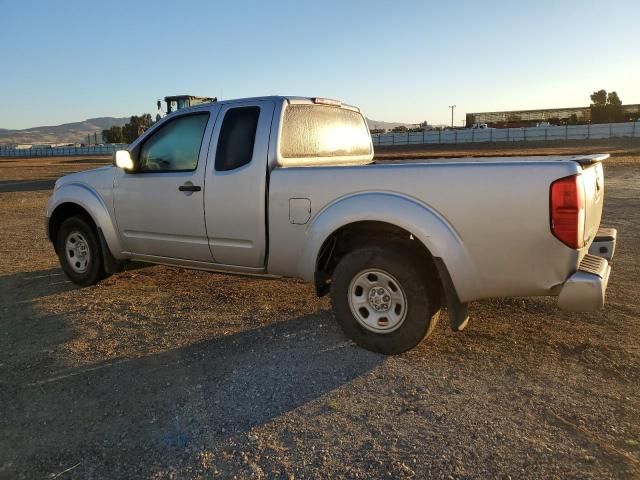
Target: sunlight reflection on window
pixel 320 131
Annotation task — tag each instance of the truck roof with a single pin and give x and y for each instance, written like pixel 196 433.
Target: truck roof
pixel 288 98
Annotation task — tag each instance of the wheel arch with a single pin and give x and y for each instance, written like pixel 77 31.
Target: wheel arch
pixel 75 199
pixel 382 215
pixel 61 213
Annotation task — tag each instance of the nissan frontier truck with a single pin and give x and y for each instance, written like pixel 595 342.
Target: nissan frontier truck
pixel 287 186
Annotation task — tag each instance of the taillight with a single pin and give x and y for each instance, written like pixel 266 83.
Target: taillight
pixel 567 210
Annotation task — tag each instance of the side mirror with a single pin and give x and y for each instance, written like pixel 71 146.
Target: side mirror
pixel 123 160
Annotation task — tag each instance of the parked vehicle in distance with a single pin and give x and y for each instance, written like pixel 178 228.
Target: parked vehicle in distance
pixel 286 186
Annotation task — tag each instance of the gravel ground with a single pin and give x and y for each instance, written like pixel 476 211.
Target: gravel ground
pixel 159 372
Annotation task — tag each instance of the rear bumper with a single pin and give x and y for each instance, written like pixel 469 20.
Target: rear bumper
pixel 604 245
pixel 584 291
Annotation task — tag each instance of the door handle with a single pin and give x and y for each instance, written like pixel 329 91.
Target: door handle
pixel 188 187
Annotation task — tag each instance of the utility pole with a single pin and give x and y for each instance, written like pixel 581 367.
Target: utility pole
pixel 452 107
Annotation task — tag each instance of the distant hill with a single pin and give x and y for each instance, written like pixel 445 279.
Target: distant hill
pixel 69 132
pixel 387 125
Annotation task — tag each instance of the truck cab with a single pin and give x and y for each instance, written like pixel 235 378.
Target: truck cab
pixel 197 189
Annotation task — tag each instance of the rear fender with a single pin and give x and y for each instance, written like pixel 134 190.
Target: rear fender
pixel 424 223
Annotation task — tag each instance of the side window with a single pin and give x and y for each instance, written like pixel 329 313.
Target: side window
pixel 175 146
pixel 237 137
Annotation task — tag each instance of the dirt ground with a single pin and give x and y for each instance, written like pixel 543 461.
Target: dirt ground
pixel 159 372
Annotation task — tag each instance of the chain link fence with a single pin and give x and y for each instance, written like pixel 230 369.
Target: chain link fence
pixel 469 135
pixel 62 151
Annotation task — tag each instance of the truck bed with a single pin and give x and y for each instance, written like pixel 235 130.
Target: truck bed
pixel 497 209
pixel 581 159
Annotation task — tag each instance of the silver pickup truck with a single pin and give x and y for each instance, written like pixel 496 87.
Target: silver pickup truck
pixel 286 186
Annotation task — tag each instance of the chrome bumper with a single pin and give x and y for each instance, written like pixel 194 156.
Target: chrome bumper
pixel 584 291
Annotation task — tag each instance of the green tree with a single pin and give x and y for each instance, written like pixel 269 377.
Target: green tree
pixel 606 107
pixel 614 108
pixel 599 98
pixel 614 99
pixel 400 129
pixel 598 106
pixel 136 125
pixel 112 135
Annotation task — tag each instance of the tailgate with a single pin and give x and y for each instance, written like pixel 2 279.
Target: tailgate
pixel 593 180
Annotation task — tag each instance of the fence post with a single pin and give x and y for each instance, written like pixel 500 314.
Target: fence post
pixel 473 135
pixel 408 140
pixel 566 132
pixel 423 137
pixel 633 132
pixel 393 139
pixel 588 131
pixel 610 130
pixel 455 137
pixel 524 134
pixel 508 133
pixel 491 136
pixel 439 137
pixel 545 132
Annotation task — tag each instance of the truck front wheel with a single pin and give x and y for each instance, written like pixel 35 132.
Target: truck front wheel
pixel 385 298
pixel 79 251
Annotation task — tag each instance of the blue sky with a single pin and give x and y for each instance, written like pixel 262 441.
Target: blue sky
pixel 63 61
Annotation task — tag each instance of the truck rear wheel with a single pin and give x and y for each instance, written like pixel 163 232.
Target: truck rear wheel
pixel 79 251
pixel 385 298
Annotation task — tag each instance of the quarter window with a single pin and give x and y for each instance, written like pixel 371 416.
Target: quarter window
pixel 175 146
pixel 237 137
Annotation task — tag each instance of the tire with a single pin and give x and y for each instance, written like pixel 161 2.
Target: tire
pixel 75 236
pixel 392 325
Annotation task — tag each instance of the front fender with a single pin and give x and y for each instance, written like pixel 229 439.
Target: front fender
pixel 424 223
pixel 90 200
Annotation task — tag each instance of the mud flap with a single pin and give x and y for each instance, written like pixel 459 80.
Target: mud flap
pixel 458 312
pixel 111 265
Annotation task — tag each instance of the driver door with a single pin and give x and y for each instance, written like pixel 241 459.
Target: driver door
pixel 159 207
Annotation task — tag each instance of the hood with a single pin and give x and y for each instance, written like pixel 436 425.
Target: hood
pixel 97 178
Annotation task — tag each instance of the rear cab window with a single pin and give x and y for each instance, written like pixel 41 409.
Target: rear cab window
pixel 237 138
pixel 321 131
